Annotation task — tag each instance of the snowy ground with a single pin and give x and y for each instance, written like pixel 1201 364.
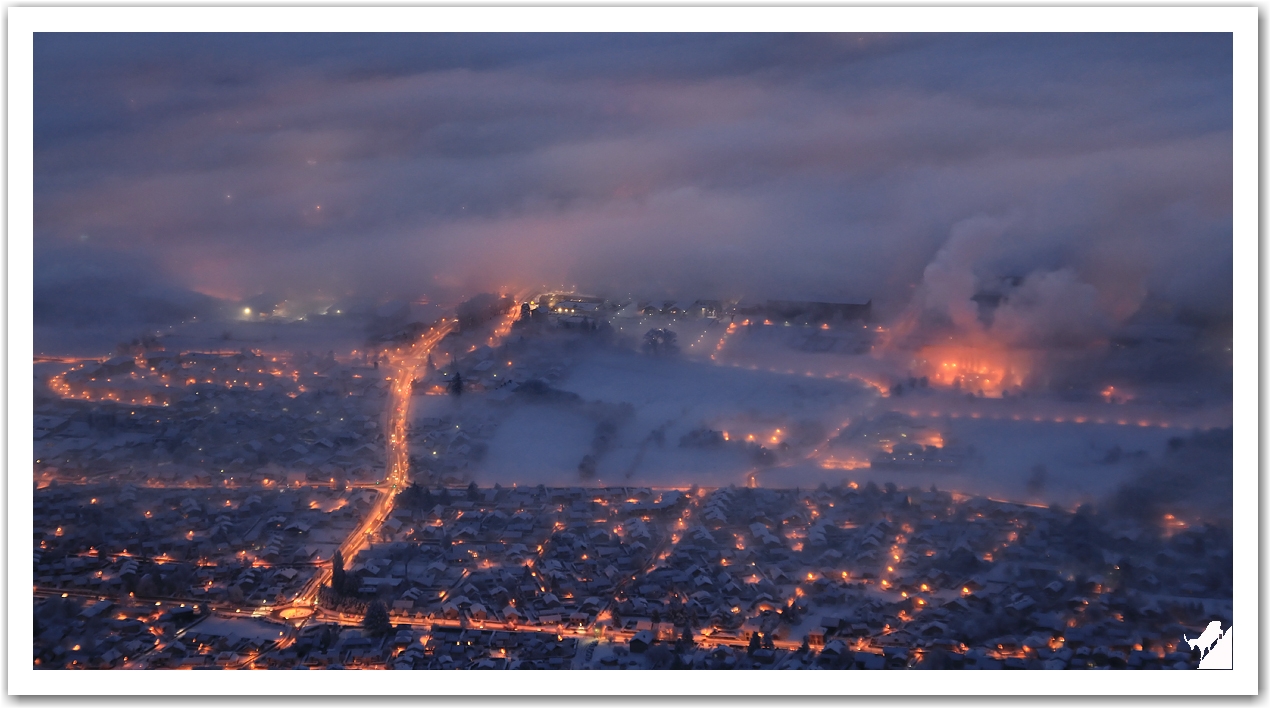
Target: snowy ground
pixel 1075 458
pixel 543 443
pixel 239 628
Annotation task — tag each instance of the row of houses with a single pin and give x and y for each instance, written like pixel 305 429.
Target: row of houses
pixel 235 545
pixel 842 577
pixel 80 632
pixel 801 310
pixel 322 420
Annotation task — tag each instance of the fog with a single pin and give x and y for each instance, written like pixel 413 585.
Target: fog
pixel 1095 167
pixel 1042 224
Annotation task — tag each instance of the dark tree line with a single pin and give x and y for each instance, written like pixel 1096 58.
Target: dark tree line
pixel 660 341
pixel 418 497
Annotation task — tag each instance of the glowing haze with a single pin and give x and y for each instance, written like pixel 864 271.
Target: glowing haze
pixel 1034 191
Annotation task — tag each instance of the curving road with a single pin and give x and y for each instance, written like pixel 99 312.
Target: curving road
pixel 404 364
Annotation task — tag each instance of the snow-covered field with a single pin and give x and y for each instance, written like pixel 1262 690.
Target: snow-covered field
pixel 1078 462
pixel 1038 461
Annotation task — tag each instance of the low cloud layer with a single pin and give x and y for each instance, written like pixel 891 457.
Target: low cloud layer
pixel 1093 170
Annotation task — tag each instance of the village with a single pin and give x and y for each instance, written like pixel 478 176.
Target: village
pixel 243 510
pixel 841 577
pixel 173 419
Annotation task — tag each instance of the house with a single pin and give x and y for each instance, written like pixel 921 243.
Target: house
pixel 642 640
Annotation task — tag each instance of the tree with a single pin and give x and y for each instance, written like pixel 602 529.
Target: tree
pixel 659 656
pixel 337 572
pixel 328 636
pixel 376 622
pixel 473 492
pixel 660 341
pixel 456 386
pixel 754 643
pixel 413 551
pixel 412 496
pixel 685 639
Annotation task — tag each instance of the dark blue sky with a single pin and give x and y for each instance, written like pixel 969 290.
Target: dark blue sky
pixel 1097 167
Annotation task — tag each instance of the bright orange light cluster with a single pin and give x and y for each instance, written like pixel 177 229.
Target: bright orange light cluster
pixel 983 368
pixel 131 387
pixel 1173 525
pixel 847 464
pixel 724 339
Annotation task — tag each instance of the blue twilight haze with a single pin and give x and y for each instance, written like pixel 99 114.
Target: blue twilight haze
pixel 173 167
